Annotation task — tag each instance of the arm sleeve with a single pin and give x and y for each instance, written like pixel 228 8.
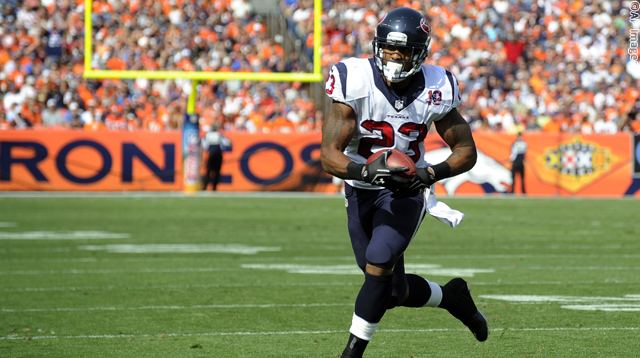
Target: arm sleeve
pixel 456 97
pixel 450 91
pixel 336 85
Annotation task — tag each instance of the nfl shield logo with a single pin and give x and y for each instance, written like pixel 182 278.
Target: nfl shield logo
pixel 399 104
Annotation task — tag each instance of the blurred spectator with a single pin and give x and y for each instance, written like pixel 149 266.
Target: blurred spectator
pixel 522 65
pixel 632 121
pixel 41 59
pixel 51 116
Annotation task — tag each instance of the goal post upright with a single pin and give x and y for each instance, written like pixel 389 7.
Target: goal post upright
pixel 191 148
pixel 191 118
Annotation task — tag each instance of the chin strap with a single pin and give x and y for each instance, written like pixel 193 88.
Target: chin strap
pixel 392 71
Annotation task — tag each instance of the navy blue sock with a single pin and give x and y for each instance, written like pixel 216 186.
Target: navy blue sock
pixel 374 296
pixel 419 291
pixel 371 303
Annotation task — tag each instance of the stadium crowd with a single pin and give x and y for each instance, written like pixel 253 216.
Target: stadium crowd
pixel 42 54
pixel 523 65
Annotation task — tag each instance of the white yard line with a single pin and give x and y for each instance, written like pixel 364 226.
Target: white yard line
pixel 631 267
pixel 59 260
pixel 626 303
pixel 63 235
pixel 290 284
pixel 561 299
pixel 522 256
pixel 180 248
pixel 352 270
pixel 36 250
pixel 632 307
pixel 154 259
pixel 111 271
pixel 308 332
pixel 172 307
pixel 179 287
pixel 409 259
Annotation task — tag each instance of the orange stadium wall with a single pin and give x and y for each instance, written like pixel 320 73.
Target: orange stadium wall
pixel 557 165
pixel 274 162
pixel 70 160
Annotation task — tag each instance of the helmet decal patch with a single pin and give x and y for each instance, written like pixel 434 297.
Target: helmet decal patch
pixel 383 17
pixel 425 27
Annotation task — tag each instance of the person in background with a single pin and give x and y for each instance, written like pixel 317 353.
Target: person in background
pixel 517 157
pixel 632 121
pixel 214 143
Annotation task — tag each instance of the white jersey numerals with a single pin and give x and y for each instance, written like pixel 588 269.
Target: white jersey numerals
pixel 386 137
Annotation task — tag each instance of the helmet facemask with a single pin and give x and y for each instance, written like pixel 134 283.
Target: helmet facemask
pixel 395 71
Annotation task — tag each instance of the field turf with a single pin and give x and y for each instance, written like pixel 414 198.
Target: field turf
pixel 251 276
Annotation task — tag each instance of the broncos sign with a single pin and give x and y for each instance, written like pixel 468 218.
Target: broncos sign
pixel 556 164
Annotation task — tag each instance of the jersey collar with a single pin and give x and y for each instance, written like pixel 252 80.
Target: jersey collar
pixel 399 101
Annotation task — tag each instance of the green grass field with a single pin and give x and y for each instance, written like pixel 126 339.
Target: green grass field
pixel 225 276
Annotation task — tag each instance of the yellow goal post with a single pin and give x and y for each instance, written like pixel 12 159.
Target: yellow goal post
pixel 315 76
pixel 191 170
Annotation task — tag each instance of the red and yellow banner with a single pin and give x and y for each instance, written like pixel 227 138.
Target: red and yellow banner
pixel 556 165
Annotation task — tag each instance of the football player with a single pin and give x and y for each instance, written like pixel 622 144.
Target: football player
pixel 389 101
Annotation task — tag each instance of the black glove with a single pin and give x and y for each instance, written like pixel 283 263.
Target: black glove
pixel 423 179
pixel 377 173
